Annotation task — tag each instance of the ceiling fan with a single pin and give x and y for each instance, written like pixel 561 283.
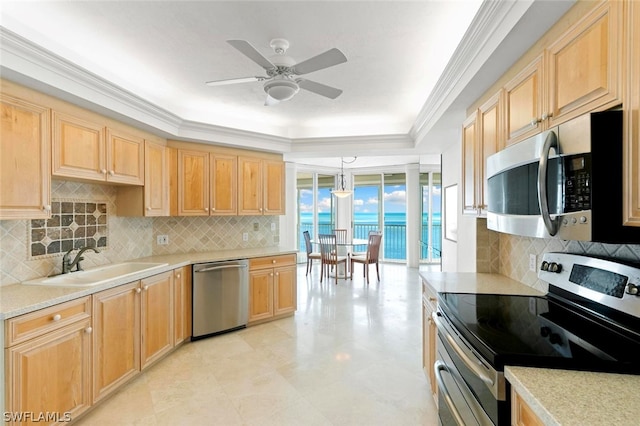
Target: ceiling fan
pixel 281 82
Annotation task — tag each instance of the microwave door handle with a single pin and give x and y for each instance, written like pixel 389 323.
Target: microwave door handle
pixel 551 224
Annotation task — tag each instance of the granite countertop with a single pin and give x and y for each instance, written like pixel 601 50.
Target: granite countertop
pixel 562 397
pixel 18 299
pixel 471 282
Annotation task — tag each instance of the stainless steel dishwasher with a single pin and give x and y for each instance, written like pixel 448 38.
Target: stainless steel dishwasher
pixel 220 297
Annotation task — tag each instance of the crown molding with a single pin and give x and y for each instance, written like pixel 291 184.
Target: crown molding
pixel 489 27
pixel 351 145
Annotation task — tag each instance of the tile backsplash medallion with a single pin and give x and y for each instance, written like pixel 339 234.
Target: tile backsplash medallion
pixel 30 249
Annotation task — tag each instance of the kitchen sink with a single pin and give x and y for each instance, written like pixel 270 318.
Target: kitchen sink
pixel 98 275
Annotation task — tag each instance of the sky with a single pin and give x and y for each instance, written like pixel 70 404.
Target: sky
pixel 366 200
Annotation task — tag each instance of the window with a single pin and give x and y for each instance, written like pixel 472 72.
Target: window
pixel 316 212
pixel 431 223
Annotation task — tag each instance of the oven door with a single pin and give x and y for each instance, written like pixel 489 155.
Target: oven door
pixel 456 404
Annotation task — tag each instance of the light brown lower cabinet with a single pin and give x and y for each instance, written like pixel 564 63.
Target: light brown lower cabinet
pixel 48 364
pixel 133 328
pixel 429 335
pixel 521 413
pixel 272 287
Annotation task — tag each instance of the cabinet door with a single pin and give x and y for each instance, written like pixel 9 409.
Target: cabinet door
pixel 156 180
pixel 491 141
pixel 24 143
pixel 285 294
pixel 524 97
pixel 521 413
pixel 182 304
pixel 193 183
pixel 116 341
pixel 78 148
pixel 584 64
pixel 52 373
pixel 631 155
pixel 224 185
pixel 274 181
pixel 260 294
pixel 249 186
pixel 125 158
pixel 156 319
pixel 469 141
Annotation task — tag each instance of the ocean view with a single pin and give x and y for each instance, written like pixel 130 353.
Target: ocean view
pixel 394 232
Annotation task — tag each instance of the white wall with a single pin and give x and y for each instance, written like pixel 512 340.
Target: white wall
pixel 288 220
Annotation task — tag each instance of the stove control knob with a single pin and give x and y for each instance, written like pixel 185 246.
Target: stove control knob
pixel 555 339
pixel 555 267
pixel 544 266
pixel 545 331
pixel 632 289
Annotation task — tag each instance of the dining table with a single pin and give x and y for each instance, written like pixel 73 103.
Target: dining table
pixel 343 250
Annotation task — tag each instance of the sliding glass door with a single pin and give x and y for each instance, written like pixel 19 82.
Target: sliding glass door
pixel 431 223
pixel 316 212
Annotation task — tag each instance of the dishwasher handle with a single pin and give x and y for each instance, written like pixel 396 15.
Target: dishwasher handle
pixel 216 268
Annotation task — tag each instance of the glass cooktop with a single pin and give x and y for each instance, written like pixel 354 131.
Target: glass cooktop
pixel 540 331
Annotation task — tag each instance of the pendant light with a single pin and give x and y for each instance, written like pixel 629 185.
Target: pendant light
pixel 342 192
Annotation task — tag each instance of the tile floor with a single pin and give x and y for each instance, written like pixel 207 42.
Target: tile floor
pixel 351 355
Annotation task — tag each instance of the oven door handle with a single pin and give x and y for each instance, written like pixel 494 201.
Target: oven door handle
pixel 551 224
pixel 438 368
pixel 473 366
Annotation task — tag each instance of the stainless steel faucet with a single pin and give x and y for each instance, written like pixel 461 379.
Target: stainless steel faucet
pixel 67 264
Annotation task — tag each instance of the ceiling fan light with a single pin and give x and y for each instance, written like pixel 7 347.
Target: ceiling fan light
pixel 281 90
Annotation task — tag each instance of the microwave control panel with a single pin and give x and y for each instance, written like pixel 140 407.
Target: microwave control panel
pixel 577 188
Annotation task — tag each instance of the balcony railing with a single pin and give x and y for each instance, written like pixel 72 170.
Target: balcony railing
pixel 394 238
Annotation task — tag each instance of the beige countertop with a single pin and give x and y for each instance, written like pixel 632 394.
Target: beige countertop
pixel 471 282
pixel 18 299
pixel 561 397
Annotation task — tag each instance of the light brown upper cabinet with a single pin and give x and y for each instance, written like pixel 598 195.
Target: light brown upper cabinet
pixel 206 183
pixel 578 73
pixel 524 102
pixel 469 140
pixel 482 136
pixel 584 65
pixel 152 199
pixel 25 168
pixel 631 165
pixel 260 186
pixel 86 150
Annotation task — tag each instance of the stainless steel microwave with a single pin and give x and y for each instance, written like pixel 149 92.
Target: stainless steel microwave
pixel 563 183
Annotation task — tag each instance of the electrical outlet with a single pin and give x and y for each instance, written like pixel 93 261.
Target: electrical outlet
pixel 163 240
pixel 273 226
pixel 256 226
pixel 532 262
pixel 245 236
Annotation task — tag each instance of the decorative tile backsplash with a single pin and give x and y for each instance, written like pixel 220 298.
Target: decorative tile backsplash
pixel 73 225
pixel 124 238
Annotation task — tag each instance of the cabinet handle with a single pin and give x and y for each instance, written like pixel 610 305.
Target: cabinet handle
pixel 277 274
pixel 88 330
pixel 260 209
pixel 103 171
pixel 111 172
pixel 546 116
pixel 148 208
pixel 273 261
pixel 432 299
pixel 271 274
pixel 46 208
pixel 213 209
pixel 177 275
pixel 138 290
pixel 206 209
pixel 57 317
pixel 146 287
pixel 535 121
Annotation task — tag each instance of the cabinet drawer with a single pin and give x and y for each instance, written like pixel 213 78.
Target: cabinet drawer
pixel 429 295
pixel 272 261
pixel 28 326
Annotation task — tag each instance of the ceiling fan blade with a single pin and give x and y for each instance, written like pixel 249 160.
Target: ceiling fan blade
pixel 249 51
pixel 271 101
pixel 324 60
pixel 318 88
pixel 235 81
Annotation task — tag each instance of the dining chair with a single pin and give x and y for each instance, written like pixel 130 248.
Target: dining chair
pixel 362 253
pixel 329 254
pixel 311 256
pixel 371 256
pixel 341 235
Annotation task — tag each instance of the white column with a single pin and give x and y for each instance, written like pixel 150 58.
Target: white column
pixel 414 208
pixel 289 221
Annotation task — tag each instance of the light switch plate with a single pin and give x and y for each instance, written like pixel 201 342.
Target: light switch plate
pixel 245 236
